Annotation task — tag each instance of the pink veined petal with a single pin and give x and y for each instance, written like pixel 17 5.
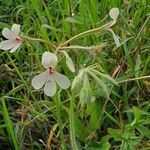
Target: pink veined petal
pixel 50 88
pixel 49 60
pixel 7 44
pixel 8 34
pixel 15 28
pixel 15 48
pixel 62 80
pixel 39 80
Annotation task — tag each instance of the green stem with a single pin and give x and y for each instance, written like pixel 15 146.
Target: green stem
pixel 72 127
pixel 108 25
pixel 83 47
pixel 58 114
pixel 133 79
pixel 38 40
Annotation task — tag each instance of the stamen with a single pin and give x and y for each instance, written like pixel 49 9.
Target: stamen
pixel 18 39
pixel 50 70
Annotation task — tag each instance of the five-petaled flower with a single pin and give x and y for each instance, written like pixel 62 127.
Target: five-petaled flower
pixel 13 39
pixel 50 77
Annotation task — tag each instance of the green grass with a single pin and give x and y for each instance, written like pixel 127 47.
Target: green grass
pixel 95 113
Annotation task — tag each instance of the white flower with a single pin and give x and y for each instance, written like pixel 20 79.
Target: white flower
pixel 50 77
pixel 13 40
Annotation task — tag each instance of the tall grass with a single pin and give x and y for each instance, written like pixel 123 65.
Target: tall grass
pixel 96 114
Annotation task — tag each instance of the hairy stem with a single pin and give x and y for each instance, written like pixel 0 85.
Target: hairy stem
pixel 133 79
pixel 108 25
pixel 72 127
pixel 38 40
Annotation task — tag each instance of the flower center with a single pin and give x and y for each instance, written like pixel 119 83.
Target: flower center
pixel 50 70
pixel 18 39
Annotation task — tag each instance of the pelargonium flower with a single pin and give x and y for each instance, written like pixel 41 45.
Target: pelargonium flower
pixel 50 77
pixel 13 39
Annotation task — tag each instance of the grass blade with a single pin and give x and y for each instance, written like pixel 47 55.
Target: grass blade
pixel 9 126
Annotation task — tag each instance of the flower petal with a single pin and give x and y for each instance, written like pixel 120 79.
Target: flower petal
pixel 49 60
pixel 15 48
pixel 62 80
pixel 8 34
pixel 50 88
pixel 114 13
pixel 39 80
pixel 15 28
pixel 7 44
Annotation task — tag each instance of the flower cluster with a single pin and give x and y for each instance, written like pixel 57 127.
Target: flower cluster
pixel 50 78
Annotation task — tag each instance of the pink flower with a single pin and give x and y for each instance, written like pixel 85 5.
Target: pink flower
pixel 13 40
pixel 50 77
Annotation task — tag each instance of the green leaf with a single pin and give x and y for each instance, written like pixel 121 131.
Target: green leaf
pixel 104 77
pixel 80 129
pixel 101 84
pixel 144 130
pixel 9 127
pixel 102 145
pixel 85 94
pixel 117 135
pixel 137 114
pixel 95 111
pixel 77 81
pixel 69 62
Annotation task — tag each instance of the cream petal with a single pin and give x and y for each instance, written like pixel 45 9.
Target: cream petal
pixel 114 13
pixel 15 28
pixel 15 48
pixel 50 88
pixel 39 80
pixel 49 59
pixel 7 44
pixel 62 80
pixel 8 34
